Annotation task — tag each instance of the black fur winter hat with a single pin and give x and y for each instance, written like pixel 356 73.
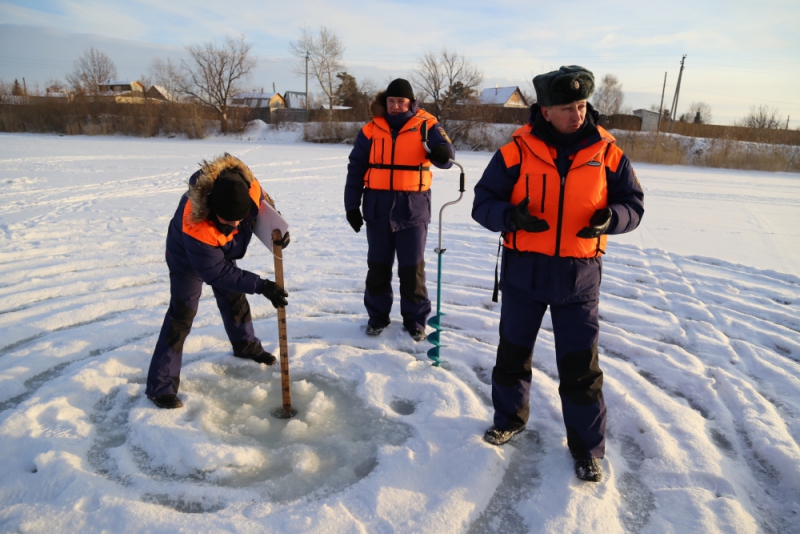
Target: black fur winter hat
pixel 563 86
pixel 230 196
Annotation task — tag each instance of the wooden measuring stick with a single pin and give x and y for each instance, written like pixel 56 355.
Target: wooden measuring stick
pixel 277 250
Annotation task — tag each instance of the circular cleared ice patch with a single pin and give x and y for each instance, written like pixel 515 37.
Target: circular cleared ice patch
pixel 225 436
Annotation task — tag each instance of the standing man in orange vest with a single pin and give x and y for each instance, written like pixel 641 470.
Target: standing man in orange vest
pixel 391 170
pixel 555 192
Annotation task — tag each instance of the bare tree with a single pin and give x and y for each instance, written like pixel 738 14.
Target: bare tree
pixel 698 113
pixel 445 77
pixel 169 75
pixel 761 117
pixel 215 73
pixel 90 70
pixel 608 97
pixel 324 51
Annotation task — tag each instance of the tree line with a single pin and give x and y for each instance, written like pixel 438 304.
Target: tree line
pixel 446 81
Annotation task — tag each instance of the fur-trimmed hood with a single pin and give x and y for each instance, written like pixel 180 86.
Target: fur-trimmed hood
pixel 201 183
pixel 378 105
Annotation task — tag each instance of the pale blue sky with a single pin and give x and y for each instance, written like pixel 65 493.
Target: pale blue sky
pixel 739 53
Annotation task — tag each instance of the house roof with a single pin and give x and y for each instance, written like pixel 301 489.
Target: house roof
pixel 254 94
pixel 256 99
pixel 119 82
pixel 295 99
pixel 645 111
pixel 166 94
pixel 497 95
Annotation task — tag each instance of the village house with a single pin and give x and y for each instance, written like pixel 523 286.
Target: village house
pixel 258 100
pixel 507 97
pixel 159 93
pixel 115 87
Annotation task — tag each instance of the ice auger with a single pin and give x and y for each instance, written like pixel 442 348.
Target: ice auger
pixel 436 320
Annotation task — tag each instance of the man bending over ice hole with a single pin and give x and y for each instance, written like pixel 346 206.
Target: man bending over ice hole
pixel 555 191
pixel 210 231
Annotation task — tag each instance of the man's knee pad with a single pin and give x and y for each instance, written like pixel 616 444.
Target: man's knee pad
pixel 581 377
pixel 379 278
pixel 412 282
pixel 513 363
pixel 180 325
pixel 240 309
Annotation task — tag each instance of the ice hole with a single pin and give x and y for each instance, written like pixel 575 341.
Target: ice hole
pixel 225 434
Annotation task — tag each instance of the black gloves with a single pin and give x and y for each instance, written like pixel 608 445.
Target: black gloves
pixel 523 219
pixel 284 242
pixel 355 219
pixel 440 154
pixel 598 224
pixel 275 294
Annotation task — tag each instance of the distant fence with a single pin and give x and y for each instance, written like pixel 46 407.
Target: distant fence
pixel 707 131
pixel 105 116
pixel 735 133
pixel 87 117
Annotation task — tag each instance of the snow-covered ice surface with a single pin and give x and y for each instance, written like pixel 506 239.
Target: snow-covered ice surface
pixel 700 345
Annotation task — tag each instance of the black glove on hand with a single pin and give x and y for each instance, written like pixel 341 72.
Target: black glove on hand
pixel 598 224
pixel 355 219
pixel 275 294
pixel 523 219
pixel 284 242
pixel 440 154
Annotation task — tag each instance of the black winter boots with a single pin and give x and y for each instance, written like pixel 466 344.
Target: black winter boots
pixel 589 470
pixel 496 436
pixel 169 401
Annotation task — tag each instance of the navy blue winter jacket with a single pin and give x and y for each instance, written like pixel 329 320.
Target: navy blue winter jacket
pixel 215 265
pixel 401 209
pixel 551 278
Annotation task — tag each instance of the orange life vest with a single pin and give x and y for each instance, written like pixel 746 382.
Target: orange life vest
pixel 568 202
pixel 205 231
pixel 398 163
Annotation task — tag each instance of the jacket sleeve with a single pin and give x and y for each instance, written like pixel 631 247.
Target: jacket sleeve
pixel 216 271
pixel 491 207
pixel 356 169
pixel 437 136
pixel 625 197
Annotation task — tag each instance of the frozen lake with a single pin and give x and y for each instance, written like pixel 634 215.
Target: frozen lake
pixel 700 346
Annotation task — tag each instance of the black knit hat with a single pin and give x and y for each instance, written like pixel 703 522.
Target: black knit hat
pixel 230 196
pixel 563 86
pixel 400 88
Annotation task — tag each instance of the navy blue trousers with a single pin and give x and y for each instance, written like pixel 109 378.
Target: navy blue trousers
pixel 409 246
pixel 165 366
pixel 576 330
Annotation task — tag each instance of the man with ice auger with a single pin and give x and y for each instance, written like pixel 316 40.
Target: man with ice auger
pixel 210 230
pixel 555 191
pixel 390 168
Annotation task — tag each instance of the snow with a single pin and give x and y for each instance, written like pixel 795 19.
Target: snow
pixel 699 345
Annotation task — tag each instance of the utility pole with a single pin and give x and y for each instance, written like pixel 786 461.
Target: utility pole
pixel 787 120
pixel 661 107
pixel 307 117
pixel 674 110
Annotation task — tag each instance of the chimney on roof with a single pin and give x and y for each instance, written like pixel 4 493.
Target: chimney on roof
pixel 273 87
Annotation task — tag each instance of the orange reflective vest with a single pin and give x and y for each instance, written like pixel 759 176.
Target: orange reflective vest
pixel 205 231
pixel 398 163
pixel 568 202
